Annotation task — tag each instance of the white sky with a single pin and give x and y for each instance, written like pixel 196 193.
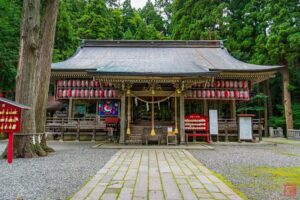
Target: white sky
pixel 137 3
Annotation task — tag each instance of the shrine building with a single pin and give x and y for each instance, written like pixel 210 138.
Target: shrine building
pixel 154 88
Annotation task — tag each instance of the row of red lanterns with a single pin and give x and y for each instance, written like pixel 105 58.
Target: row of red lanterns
pixel 82 83
pixel 229 94
pixel 223 84
pixel 87 93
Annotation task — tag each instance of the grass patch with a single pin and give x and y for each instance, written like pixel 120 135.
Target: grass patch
pixel 229 184
pixel 84 183
pixel 278 176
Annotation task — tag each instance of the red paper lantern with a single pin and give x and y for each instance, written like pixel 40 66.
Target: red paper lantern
pixel 86 93
pixel 100 93
pixel 60 83
pixel 227 84
pixel 222 83
pixel 199 93
pixel 81 93
pixel 97 83
pixel 92 83
pixel 78 83
pixel 222 94
pixel 110 84
pixel 236 94
pixel 226 93
pixel 92 93
pixel 245 84
pixel 86 83
pixel 232 94
pixel 241 94
pixel 110 93
pixel 77 93
pixel 203 93
pixel 246 94
pixel 60 93
pixel 69 93
pixel 208 84
pixel 96 93
pixel 83 83
pixel 218 83
pixel 194 93
pixel 208 93
pixel 105 93
pixel 213 95
pixel 241 84
pixel 65 84
pixel 74 83
pixel 69 83
pixel 114 93
pixel 231 84
pixel 218 94
pixel 73 93
pixel 65 93
pixel 235 84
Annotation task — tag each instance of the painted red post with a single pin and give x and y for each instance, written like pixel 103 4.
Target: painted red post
pixel 10 148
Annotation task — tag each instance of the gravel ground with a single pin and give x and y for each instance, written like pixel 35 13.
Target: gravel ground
pixel 235 163
pixel 56 176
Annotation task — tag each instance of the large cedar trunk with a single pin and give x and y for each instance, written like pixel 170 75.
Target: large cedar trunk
pixel 33 75
pixel 287 99
pixel 44 67
pixel 26 75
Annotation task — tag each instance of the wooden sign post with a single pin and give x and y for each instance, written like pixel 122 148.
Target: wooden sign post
pixel 10 122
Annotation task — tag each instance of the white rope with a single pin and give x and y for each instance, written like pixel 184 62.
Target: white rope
pixel 147 106
pixel 159 101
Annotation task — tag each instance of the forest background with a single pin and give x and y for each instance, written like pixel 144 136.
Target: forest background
pixel 260 32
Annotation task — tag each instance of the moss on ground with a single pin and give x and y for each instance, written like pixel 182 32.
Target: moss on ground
pixel 229 184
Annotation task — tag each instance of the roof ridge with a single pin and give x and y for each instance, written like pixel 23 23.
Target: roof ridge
pixel 154 43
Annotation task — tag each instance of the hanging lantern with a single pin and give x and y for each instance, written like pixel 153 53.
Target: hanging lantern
pixel 77 93
pixel 231 94
pixel 65 83
pixel 105 94
pixel 222 83
pixel 226 93
pixel 208 94
pixel 213 95
pixel 60 93
pixel 235 84
pixel 208 84
pixel 240 84
pixel 236 94
pixel 97 93
pixel 203 94
pixel 109 93
pixel 92 93
pixel 218 84
pixel 241 94
pixel 86 83
pixel 194 93
pixel 73 83
pixel 115 95
pixel 86 93
pixel 69 93
pixel 246 94
pixel 245 84
pixel 97 83
pixel 78 83
pixel 231 83
pixel 73 93
pixel 64 93
pixel 227 83
pixel 82 93
pixel 92 83
pixel 101 93
pixel 110 84
pixel 199 93
pixel 69 83
pixel 217 93
pixel 223 94
pixel 59 83
pixel 82 83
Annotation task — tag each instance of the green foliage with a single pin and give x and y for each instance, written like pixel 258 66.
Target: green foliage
pixel 9 42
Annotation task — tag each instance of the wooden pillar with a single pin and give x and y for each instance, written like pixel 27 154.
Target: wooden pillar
pixel 123 119
pixel 287 99
pixel 266 111
pixel 233 109
pixel 70 108
pixel 128 131
pixel 205 107
pixel 181 118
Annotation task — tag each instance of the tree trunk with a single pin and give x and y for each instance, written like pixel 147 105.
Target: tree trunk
pixel 287 99
pixel 26 75
pixel 44 67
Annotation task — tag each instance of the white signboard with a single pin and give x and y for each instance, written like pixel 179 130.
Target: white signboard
pixel 245 128
pixel 213 122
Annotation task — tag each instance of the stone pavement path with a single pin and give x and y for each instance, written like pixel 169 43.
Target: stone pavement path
pixel 154 174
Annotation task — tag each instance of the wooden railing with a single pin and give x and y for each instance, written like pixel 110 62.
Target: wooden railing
pixel 293 134
pixel 74 126
pixel 229 128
